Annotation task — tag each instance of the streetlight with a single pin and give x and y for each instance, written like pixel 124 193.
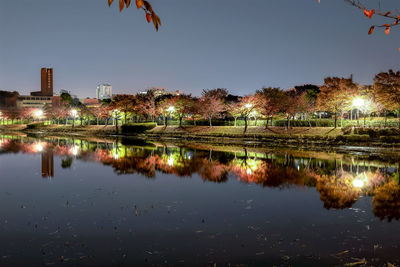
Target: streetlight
pixel 362 105
pixel 39 114
pixel 248 105
pixel 171 109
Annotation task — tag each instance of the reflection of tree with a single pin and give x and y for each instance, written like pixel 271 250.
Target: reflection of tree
pixel 386 202
pixel 339 185
pixel 213 171
pixel 66 163
pixel 336 191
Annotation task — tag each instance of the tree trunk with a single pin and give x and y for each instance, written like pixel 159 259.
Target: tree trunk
pixel 209 119
pixel 235 121
pixel 266 124
pixel 245 124
pixel 180 121
pixel 384 114
pixel 398 117
pixel 116 125
pixel 335 120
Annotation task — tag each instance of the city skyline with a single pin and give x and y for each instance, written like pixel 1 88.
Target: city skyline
pixel 238 47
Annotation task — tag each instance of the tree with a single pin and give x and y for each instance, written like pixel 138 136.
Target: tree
pixel 212 103
pixel 246 106
pixel 125 104
pixel 269 102
pixel 182 105
pixel 145 6
pixel 166 108
pixel 336 95
pixel 233 109
pixel 387 90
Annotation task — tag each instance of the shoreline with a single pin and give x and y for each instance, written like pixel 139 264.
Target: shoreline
pixel 318 137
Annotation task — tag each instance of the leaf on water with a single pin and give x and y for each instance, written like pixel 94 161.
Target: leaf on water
pixel 359 262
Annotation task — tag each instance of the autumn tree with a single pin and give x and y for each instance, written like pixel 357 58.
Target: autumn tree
pixel 387 90
pixel 125 104
pixel 212 103
pixel 269 102
pixel 336 95
pixel 166 108
pixel 182 106
pixel 233 108
pixel 247 105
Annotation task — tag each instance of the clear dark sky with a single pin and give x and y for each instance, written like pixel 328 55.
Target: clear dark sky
pixel 241 45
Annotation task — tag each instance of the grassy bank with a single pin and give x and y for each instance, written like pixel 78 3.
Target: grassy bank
pixel 273 136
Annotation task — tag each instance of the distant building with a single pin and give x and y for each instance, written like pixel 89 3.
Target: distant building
pixel 40 98
pixel 159 91
pixel 91 102
pixel 104 91
pixel 46 76
pixel 25 101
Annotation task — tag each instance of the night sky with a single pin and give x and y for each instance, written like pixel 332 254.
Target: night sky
pixel 240 45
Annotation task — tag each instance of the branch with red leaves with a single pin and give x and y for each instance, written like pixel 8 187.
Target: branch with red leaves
pixel 144 5
pixel 371 12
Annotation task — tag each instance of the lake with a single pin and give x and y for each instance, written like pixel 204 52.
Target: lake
pixel 100 202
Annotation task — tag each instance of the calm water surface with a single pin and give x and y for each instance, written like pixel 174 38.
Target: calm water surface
pixel 93 202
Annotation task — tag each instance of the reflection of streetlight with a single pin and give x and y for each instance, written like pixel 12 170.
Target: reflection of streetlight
pixel 39 147
pixel 358 183
pixel 74 150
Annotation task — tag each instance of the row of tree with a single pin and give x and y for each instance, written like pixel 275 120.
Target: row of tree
pixel 337 98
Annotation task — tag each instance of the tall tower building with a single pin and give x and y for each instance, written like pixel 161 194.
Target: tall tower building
pixel 47 82
pixel 46 88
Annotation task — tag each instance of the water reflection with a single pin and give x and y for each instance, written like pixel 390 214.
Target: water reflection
pixel 340 179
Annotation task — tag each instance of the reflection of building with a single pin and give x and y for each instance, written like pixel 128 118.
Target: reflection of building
pixel 47 163
pixel 104 91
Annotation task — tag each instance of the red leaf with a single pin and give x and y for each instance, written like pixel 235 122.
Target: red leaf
pixel 388 13
pixel 139 4
pixel 371 13
pixel 387 31
pixel 110 2
pixel 121 5
pixel 371 30
pixel 148 17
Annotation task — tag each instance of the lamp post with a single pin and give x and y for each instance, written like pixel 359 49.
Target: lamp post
pixel 170 110
pixel 358 102
pixel 74 112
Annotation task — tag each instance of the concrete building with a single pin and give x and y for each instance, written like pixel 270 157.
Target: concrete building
pixel 34 101
pixel 104 91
